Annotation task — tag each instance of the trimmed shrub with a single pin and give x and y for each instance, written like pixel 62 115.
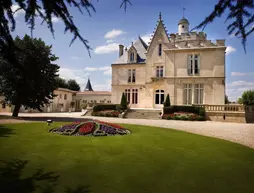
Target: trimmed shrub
pixel 103 107
pixel 200 118
pixel 123 103
pixel 188 109
pixel 169 118
pixel 169 110
pixel 167 102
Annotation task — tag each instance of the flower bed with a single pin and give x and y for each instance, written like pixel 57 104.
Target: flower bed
pixel 183 116
pixel 106 113
pixel 91 128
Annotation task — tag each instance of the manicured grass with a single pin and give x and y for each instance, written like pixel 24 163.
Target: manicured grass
pixel 150 160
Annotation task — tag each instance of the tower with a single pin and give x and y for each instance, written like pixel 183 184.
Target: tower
pixel 183 26
pixel 88 86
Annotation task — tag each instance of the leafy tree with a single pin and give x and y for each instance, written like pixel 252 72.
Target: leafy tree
pixel 226 100
pixel 248 97
pixel 241 12
pixel 73 85
pixel 240 100
pixel 35 89
pixel 61 83
pixel 123 103
pixel 167 102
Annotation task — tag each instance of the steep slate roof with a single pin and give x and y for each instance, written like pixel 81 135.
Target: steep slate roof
pixel 141 48
pixel 88 86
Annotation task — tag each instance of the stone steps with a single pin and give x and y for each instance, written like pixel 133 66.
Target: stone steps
pixel 143 114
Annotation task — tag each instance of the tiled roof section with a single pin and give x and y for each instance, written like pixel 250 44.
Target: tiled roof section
pixel 140 46
pixel 94 93
pixel 66 90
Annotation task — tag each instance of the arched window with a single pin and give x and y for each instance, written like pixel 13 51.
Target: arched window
pixel 159 97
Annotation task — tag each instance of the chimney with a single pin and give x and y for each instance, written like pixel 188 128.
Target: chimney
pixel 121 47
pixel 220 42
pixel 173 37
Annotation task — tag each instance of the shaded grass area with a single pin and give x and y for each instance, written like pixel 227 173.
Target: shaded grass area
pixel 148 160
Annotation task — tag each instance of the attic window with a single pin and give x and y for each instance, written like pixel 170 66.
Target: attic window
pixel 160 49
pixel 132 56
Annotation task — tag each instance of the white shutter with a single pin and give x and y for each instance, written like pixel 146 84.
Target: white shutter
pixel 189 65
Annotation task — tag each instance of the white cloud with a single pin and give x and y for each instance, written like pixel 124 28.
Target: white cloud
pixel 20 12
pixel 103 87
pixel 75 58
pixel 146 38
pixel 79 75
pixel 230 49
pixel 113 34
pixel 109 41
pixel 108 72
pixel 106 49
pixel 241 83
pixel 106 69
pixel 55 19
pixel 241 73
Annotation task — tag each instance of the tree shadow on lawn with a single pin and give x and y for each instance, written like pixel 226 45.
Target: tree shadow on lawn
pixel 5 131
pixel 55 119
pixel 11 181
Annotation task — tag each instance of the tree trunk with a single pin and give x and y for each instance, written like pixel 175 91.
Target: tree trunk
pixel 16 110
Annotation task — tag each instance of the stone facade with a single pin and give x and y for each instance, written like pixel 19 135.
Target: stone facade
pixel 187 66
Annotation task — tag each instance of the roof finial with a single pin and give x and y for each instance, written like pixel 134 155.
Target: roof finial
pixel 160 17
pixel 183 11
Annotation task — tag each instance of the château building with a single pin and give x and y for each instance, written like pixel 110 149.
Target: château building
pixel 185 65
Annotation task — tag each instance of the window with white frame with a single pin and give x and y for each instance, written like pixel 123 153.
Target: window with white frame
pixel 131 96
pixel 134 96
pixel 159 97
pixel 132 75
pixel 198 93
pixel 193 64
pixel 159 71
pixel 193 94
pixel 132 57
pixel 187 94
pixel 128 95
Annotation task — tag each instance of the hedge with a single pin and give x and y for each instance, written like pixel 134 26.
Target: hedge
pixel 103 107
pixel 188 109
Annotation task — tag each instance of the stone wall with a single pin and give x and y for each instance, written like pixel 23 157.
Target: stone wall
pixel 246 116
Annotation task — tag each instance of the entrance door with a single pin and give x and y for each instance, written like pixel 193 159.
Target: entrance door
pixel 159 99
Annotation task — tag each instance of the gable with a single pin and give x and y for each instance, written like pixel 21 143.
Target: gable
pixel 160 36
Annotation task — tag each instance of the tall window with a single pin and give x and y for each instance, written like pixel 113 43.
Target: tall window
pixel 198 93
pixel 159 97
pixel 132 57
pixel 134 96
pixel 131 75
pixel 128 95
pixel 159 71
pixel 193 64
pixel 65 96
pixel 160 49
pixel 187 94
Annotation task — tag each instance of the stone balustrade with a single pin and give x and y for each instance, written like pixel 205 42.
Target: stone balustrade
pixel 231 108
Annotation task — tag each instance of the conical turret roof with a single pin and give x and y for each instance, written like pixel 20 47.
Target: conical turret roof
pixel 88 86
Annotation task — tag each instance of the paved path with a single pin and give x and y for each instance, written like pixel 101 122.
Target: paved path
pixel 236 132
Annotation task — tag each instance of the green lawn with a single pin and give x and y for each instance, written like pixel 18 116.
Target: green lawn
pixel 150 160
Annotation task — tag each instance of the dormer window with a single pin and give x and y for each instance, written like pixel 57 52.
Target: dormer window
pixel 132 57
pixel 160 49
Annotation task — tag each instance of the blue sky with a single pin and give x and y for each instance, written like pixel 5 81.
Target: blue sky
pixel 111 26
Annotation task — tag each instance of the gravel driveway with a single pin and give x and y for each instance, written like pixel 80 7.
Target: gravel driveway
pixel 236 132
